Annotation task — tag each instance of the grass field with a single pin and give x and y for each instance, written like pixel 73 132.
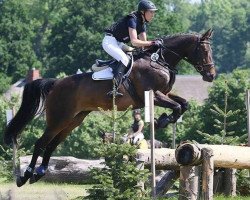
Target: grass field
pixel 42 191
pixel 49 191
pixel 218 198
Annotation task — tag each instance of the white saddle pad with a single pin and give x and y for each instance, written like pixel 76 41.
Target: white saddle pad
pixel 105 74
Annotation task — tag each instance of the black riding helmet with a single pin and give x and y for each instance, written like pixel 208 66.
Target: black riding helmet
pixel 136 111
pixel 145 5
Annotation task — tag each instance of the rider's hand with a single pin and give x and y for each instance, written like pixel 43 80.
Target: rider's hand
pixel 157 43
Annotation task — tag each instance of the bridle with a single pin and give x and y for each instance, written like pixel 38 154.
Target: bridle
pixel 199 65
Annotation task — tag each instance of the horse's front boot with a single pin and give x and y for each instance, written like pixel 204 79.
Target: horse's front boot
pixel 21 180
pixel 40 172
pixel 163 121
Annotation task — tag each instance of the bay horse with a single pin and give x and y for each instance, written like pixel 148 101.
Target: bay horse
pixel 69 100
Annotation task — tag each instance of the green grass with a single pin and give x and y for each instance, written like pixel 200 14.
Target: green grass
pixel 231 198
pixel 216 197
pixel 42 191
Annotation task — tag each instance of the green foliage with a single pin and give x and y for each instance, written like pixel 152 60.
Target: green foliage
pixel 222 123
pixel 237 83
pixel 243 182
pixel 200 117
pixel 6 164
pixel 191 121
pixel 120 176
pixel 230 21
pixel 4 82
pixel 75 40
pixel 62 36
pixel 16 51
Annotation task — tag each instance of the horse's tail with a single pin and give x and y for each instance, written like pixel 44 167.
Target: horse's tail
pixel 34 95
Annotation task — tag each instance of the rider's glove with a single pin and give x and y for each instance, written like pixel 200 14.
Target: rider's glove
pixel 157 43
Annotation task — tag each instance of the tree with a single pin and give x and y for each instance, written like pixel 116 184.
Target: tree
pixel 75 40
pixel 230 21
pixel 16 51
pixel 120 176
pixel 222 123
pixel 238 83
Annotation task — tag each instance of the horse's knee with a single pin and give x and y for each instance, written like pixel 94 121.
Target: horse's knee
pixel 178 109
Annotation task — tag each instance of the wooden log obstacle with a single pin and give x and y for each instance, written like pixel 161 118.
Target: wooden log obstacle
pixel 181 162
pixel 225 156
pixel 192 158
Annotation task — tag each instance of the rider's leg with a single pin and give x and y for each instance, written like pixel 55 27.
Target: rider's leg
pixel 113 48
pixel 138 138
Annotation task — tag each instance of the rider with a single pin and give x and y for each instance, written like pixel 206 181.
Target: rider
pixel 130 28
pixel 136 132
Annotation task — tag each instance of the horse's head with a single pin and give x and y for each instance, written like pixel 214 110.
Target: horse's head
pixel 201 56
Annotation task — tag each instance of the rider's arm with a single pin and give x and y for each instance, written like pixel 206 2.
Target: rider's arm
pixel 135 41
pixel 143 36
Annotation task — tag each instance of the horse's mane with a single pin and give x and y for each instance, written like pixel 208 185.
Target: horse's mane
pixel 169 39
pixel 166 37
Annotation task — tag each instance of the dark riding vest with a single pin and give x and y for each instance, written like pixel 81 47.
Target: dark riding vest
pixel 120 28
pixel 135 126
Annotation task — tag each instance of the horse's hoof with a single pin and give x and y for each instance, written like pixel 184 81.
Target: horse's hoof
pixel 20 181
pixel 35 178
pixel 163 123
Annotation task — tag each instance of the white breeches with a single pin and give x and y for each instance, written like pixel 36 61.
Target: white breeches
pixel 113 48
pixel 138 138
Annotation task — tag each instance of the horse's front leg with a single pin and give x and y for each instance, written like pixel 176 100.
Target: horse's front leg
pixel 180 100
pixel 164 101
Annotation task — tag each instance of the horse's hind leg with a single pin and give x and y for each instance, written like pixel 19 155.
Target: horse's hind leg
pixel 51 131
pixel 40 171
pixel 40 145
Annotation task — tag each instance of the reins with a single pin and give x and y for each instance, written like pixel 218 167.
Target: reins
pixel 198 66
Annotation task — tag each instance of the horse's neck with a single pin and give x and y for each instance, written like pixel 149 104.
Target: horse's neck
pixel 180 45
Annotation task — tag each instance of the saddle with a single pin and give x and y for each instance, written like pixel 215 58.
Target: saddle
pixel 103 69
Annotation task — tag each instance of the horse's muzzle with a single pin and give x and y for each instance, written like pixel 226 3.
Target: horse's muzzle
pixel 208 77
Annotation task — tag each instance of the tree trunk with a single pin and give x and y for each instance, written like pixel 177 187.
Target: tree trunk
pixel 65 168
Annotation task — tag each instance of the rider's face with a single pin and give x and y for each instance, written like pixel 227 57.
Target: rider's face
pixel 137 117
pixel 149 15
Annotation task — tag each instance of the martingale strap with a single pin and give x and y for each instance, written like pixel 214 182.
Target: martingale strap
pixel 129 86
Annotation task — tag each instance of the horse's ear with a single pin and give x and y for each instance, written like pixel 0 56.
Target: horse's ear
pixel 208 34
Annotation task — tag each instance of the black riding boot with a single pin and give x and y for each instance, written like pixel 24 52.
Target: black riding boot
pixel 118 76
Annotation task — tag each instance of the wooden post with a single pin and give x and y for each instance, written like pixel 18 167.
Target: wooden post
pixel 189 183
pixel 149 117
pixel 230 182
pixel 152 133
pixel 166 182
pixel 207 173
pixel 140 166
